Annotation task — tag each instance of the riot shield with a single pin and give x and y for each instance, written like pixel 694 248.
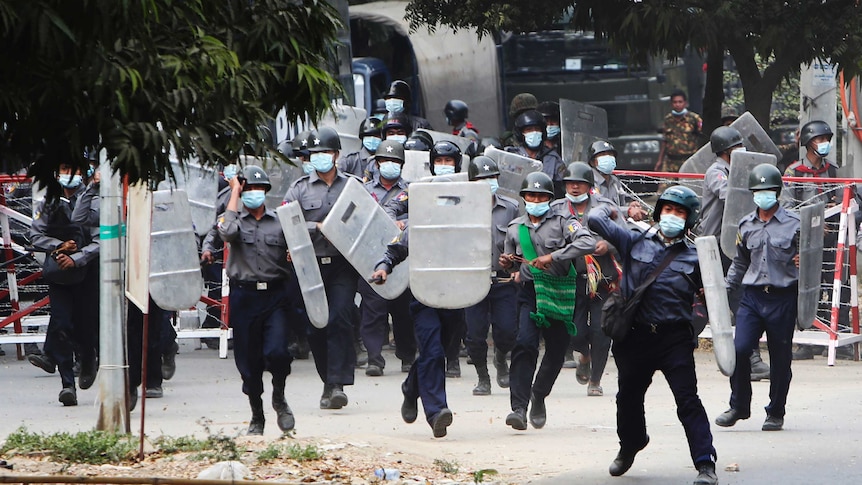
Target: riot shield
pixel 281 176
pixel 580 125
pixel 360 229
pixel 450 243
pixel 455 177
pixel 810 263
pixel 715 290
pixel 460 141
pixel 345 120
pixel 740 200
pixel 304 263
pixel 754 138
pixel 176 281
pixel 416 165
pixel 513 170
pixel 201 186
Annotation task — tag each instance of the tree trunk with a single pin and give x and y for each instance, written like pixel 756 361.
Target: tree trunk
pixel 714 91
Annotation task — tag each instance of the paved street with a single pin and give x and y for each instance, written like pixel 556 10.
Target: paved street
pixel 821 443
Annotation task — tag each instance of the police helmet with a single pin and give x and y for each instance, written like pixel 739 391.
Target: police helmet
pixel 488 142
pixel 765 177
pixel 300 143
pixel 579 172
pixel 812 130
pixel 390 149
pixel 370 127
pixel 601 146
pixel 682 196
pixel 399 89
pixel 379 109
pixel 419 141
pixel 549 109
pixel 537 183
pixel 255 175
pixel 325 139
pixel 445 149
pixel 286 149
pixel 456 110
pixel 397 121
pixel 520 103
pixel 529 118
pixel 482 167
pixel 724 138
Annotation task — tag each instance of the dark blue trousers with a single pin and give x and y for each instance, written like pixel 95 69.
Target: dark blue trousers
pixel 73 327
pixel 638 357
pixel 525 354
pixel 259 319
pixel 590 340
pixel 332 346
pixel 374 331
pixel 774 313
pixel 160 334
pixel 427 376
pixel 499 311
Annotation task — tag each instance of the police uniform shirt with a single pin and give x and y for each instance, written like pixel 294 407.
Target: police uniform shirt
pixel 565 208
pixel 52 226
pixel 396 252
pixel 86 211
pixel 397 206
pixel 765 251
pixel 552 164
pixel 380 193
pixel 610 188
pixel 794 194
pixel 714 195
pixel 258 250
pixel 316 200
pixel 505 209
pixel 562 237
pixel 354 163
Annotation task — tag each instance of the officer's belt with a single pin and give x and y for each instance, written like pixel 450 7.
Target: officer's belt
pixel 775 290
pixel 257 285
pixel 504 277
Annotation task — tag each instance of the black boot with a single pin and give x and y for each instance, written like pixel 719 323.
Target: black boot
pixel 625 459
pixel 285 418
pixel 453 368
pixel 759 368
pixel 502 368
pixel 483 388
pixel 255 426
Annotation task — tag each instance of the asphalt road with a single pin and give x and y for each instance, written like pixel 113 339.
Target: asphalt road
pixel 820 444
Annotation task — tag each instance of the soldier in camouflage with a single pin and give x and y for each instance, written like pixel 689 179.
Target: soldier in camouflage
pixel 681 129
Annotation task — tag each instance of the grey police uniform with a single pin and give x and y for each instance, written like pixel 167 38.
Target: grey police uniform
pixel 610 188
pixel 355 163
pixel 714 195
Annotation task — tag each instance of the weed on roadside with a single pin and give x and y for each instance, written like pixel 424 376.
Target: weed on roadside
pixel 93 447
pixel 294 452
pixel 446 466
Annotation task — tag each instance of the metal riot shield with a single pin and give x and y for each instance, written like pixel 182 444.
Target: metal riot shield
pixel 460 141
pixel 417 165
pixel 450 243
pixel 513 170
pixel 740 200
pixel 176 281
pixel 754 138
pixel 580 125
pixel 304 263
pixel 201 186
pixel 455 177
pixel 345 120
pixel 281 176
pixel 810 263
pixel 360 229
pixel 715 290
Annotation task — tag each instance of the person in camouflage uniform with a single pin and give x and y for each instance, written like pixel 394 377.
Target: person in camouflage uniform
pixel 681 129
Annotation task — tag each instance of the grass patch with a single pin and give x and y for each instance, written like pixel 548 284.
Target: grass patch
pixel 446 466
pixel 479 475
pixel 294 452
pixel 93 447
pixel 183 444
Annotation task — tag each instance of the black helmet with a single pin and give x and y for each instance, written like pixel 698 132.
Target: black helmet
pixel 286 149
pixel 396 120
pixel 549 109
pixel 256 176
pixel 724 138
pixel 399 89
pixel 682 196
pixel 579 172
pixel 390 149
pixel 324 140
pixel 765 177
pixel 447 149
pixel 601 146
pixel 370 127
pixel 456 110
pixel 300 143
pixel 529 118
pixel 488 142
pixel 379 108
pixel 812 130
pixel 537 183
pixel 482 167
pixel 419 141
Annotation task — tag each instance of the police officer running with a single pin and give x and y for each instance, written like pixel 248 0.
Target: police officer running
pixel 661 337
pixel 260 297
pixel 603 159
pixel 530 136
pixel 541 247
pixel 766 265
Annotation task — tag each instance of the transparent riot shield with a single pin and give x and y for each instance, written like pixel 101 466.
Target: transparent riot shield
pixel 417 165
pixel 580 125
pixel 460 141
pixel 345 120
pixel 201 186
pixel 810 263
pixel 513 170
pixel 360 229
pixel 304 263
pixel 176 281
pixel 715 290
pixel 754 138
pixel 462 176
pixel 740 200
pixel 281 176
pixel 450 243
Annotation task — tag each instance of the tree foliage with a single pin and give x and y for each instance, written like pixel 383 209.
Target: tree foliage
pixel 140 78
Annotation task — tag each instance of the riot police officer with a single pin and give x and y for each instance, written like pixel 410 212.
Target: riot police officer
pixel 332 346
pixel 551 111
pixel 541 247
pixel 530 135
pixel 260 294
pixel 603 159
pixel 456 113
pixel 398 100
pixel 356 163
pixel 661 336
pixel 497 310
pixel 419 141
pixel 766 265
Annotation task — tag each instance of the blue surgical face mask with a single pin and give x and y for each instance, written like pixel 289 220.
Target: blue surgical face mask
pixel 553 131
pixel 229 172
pixel 823 148
pixel 765 199
pixel 394 105
pixel 371 143
pixel 577 199
pixel 397 138
pixel 322 162
pixel 494 184
pixel 444 169
pixel 253 198
pixel 606 164
pixel 679 113
pixel 91 170
pixel 307 168
pixel 533 139
pixel 671 225
pixel 390 170
pixel 68 181
pixel 537 209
